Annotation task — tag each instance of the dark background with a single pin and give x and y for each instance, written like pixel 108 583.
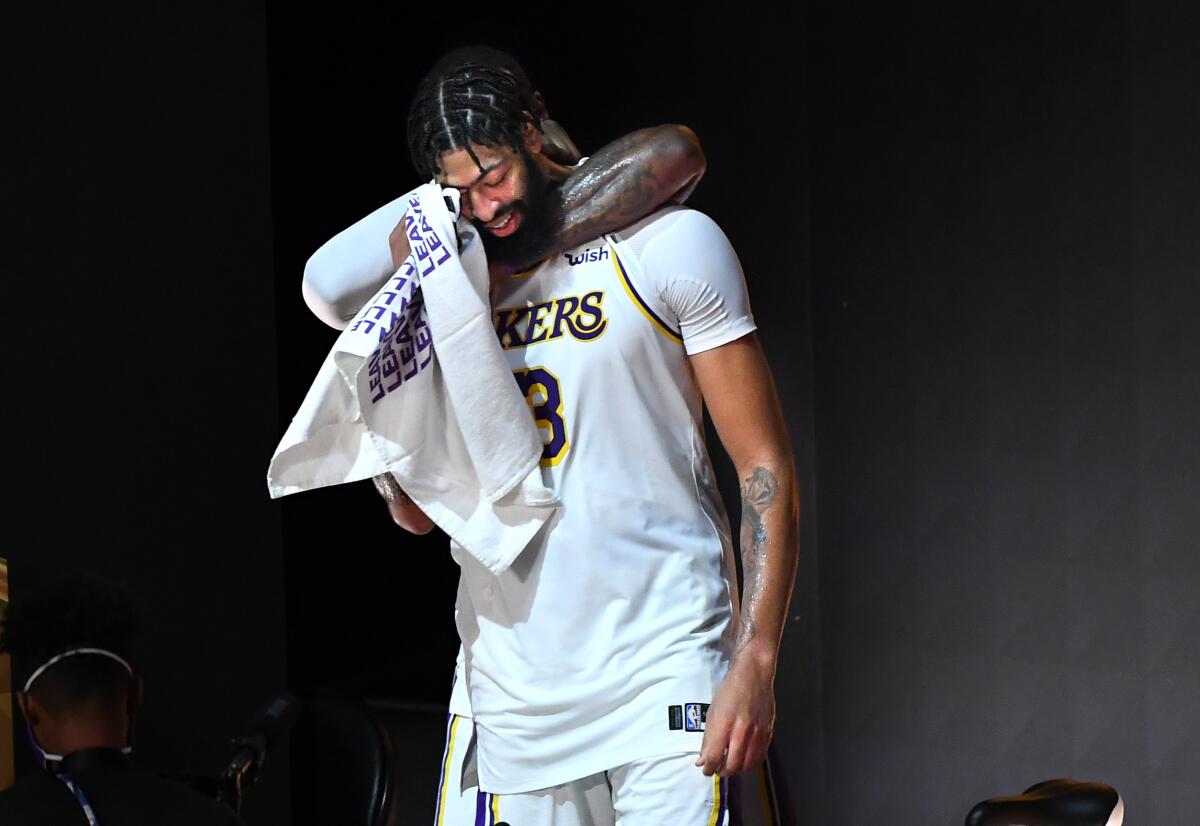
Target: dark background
pixel 141 388
pixel 971 243
pixel 1004 214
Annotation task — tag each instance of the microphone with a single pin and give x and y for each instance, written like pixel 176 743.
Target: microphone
pixel 250 751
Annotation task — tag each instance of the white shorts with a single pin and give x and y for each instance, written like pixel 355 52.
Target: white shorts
pixel 665 789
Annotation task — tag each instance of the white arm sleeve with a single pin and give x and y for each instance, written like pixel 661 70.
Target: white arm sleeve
pixel 688 270
pixel 351 266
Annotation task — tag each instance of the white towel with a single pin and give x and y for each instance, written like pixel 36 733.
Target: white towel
pixel 418 386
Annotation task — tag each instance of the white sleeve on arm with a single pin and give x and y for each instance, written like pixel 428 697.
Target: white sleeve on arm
pixel 350 267
pixel 693 274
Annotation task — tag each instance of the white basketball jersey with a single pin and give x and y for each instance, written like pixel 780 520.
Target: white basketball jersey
pixel 607 638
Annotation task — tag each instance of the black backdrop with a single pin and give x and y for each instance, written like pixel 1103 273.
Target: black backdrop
pixel 141 396
pixel 1004 256
pixel 971 246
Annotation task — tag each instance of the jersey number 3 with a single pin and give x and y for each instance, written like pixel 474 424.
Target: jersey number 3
pixel 542 393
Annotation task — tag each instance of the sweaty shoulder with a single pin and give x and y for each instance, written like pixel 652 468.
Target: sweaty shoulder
pixel 682 265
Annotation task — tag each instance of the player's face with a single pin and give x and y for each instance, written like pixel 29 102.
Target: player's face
pixel 505 195
pixel 494 191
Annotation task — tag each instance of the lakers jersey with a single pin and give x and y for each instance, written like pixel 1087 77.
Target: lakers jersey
pixel 607 638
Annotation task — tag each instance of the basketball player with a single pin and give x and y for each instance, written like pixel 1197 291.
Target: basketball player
pixel 608 681
pixel 622 182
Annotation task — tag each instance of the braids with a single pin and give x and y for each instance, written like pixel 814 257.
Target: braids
pixel 473 102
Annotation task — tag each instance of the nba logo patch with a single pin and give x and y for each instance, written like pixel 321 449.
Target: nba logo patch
pixel 695 715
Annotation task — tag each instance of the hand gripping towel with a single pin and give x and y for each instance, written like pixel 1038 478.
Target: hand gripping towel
pixel 418 386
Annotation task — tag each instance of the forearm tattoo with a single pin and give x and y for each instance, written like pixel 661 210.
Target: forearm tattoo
pixel 624 181
pixel 759 490
pixel 620 184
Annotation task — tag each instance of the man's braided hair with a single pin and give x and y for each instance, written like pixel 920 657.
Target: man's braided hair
pixel 474 95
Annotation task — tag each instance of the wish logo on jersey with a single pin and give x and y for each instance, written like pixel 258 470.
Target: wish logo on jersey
pixel 580 316
pixel 587 256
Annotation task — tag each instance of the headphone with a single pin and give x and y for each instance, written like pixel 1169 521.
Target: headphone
pixel 46 759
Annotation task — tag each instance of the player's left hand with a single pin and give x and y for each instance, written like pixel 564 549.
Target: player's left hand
pixel 740 720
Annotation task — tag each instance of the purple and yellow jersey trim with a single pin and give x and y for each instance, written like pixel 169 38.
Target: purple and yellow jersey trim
pixel 651 316
pixel 720 810
pixel 447 760
pixel 487 809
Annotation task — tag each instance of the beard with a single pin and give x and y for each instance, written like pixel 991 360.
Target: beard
pixel 532 239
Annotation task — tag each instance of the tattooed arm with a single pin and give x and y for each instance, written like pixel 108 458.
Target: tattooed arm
pixel 740 395
pixel 626 180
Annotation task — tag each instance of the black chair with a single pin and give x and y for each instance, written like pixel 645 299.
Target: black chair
pixel 760 797
pixel 421 728
pixel 343 767
pixel 1053 803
